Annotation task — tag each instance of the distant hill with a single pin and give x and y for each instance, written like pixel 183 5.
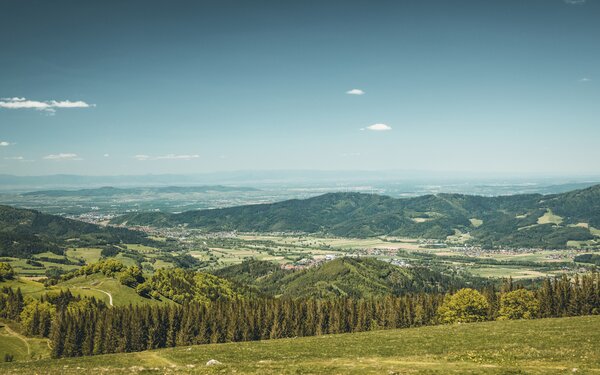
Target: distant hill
pixel 354 277
pixel 25 232
pixel 109 191
pixel 527 220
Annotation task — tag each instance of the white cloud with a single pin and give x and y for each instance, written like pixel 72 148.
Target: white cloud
pixel 4 143
pixel 106 155
pixel 166 157
pixel 377 127
pixel 14 158
pixel 47 106
pixel 178 157
pixel 585 79
pixel 62 156
pixel 355 92
pixel 575 2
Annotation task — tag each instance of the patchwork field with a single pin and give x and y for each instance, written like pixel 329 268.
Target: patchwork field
pixel 545 346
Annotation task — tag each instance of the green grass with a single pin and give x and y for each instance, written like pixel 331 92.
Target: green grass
pixel 28 287
pixel 88 254
pixel 141 248
pixel 85 286
pixel 545 346
pixel 550 218
pixel 20 347
pixel 93 285
pixel 50 255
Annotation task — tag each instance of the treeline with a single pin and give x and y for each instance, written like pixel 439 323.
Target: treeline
pixel 127 329
pixel 588 258
pixel 94 330
pixel 79 327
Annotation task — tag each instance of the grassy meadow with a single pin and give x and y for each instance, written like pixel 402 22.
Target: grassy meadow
pixel 544 346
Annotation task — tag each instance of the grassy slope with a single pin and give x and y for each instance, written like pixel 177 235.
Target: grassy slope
pixel 22 348
pixel 544 346
pixel 84 286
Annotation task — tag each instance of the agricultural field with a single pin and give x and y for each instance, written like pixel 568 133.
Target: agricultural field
pixel 523 264
pixel 544 346
pixel 87 254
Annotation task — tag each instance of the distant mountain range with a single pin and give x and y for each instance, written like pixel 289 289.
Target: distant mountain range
pixel 109 191
pixel 526 220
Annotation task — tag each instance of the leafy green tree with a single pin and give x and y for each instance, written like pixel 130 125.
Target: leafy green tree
pixel 143 289
pixel 465 306
pixel 131 276
pixel 37 317
pixel 518 304
pixel 6 271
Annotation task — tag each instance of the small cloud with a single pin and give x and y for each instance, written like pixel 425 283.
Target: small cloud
pixel 166 157
pixel 62 156
pixel 177 157
pixel 106 155
pixel 584 79
pixel 575 2
pixel 355 92
pixel 350 154
pixel 378 127
pixel 48 106
pixel 4 143
pixel 18 158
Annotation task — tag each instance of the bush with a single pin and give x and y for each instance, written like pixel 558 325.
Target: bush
pixel 465 306
pixel 518 304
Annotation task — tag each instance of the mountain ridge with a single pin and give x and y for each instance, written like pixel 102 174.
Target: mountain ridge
pixel 528 220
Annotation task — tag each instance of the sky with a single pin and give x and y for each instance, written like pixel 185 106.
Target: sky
pixel 136 87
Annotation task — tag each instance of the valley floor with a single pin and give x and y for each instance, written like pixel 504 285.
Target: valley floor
pixel 544 346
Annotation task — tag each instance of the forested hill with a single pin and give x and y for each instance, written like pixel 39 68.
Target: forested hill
pixel 517 220
pixel 24 232
pixel 347 277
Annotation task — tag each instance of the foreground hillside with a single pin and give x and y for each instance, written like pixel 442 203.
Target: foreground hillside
pixel 529 220
pixel 545 346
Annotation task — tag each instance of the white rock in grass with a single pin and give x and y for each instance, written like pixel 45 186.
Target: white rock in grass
pixel 213 362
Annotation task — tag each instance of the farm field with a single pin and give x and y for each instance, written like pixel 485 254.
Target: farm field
pixel 544 346
pixel 289 249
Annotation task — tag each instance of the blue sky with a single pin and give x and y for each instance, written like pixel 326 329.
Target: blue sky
pixel 134 87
